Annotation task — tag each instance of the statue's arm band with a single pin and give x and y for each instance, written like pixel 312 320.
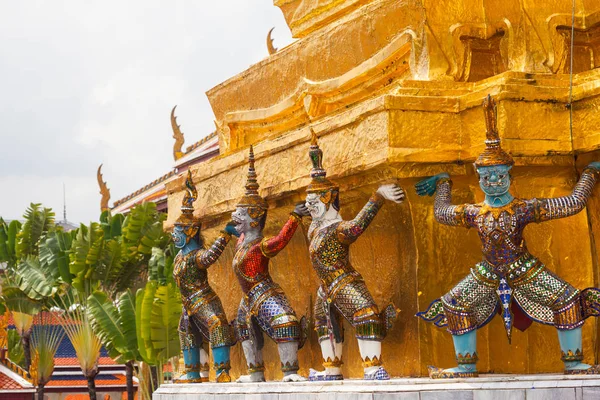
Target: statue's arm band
pixel 565 206
pixel 208 257
pixel 444 212
pixel 349 231
pixel 270 247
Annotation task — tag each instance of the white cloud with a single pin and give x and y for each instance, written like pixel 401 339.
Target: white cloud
pixel 93 82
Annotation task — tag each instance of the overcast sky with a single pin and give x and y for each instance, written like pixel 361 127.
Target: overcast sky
pixel 90 82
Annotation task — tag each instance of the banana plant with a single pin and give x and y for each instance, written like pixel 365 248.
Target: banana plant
pixel 115 324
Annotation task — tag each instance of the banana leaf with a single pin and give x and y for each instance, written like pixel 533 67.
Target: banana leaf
pixel 126 305
pixel 85 255
pixel 38 221
pixel 106 323
pixel 17 301
pixel 143 300
pixel 34 279
pixel 54 253
pixel 166 312
pixel 15 348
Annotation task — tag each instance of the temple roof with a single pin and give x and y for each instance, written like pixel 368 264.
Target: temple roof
pixel 199 151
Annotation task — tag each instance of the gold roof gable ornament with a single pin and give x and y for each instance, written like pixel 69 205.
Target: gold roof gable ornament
pixel 493 153
pixel 255 204
pixel 272 49
pixel 319 182
pixel 104 191
pixel 177 135
pixel 186 219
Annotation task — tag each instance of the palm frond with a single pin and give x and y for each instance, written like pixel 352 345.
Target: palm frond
pixel 45 339
pixel 77 326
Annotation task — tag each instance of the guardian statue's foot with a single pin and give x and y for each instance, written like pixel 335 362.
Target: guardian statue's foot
pixel 315 375
pixel 377 374
pixel 582 369
pixel 189 377
pixel 451 373
pixel 293 378
pixel 253 377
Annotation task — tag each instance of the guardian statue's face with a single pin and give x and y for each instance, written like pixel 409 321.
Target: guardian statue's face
pixel 494 180
pixel 180 239
pixel 242 220
pixel 315 206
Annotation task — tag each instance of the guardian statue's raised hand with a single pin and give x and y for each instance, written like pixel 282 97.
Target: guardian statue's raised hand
pixel 203 320
pixel 509 280
pixel 264 307
pixel 343 292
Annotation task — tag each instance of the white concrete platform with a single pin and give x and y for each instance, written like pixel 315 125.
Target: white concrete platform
pixel 486 387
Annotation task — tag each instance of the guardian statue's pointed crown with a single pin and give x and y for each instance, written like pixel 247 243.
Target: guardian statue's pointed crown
pixel 493 153
pixel 255 204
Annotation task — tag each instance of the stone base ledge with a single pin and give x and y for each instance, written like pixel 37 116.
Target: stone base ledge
pixel 486 387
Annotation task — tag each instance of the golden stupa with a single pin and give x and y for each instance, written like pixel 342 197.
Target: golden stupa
pixel 393 89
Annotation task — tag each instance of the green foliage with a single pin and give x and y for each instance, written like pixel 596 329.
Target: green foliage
pixel 166 312
pixel 85 255
pixel 38 221
pixel 144 299
pixel 115 325
pixel 54 253
pixel 111 224
pixel 142 230
pixel 15 349
pixel 17 301
pixel 36 280
pixel 8 240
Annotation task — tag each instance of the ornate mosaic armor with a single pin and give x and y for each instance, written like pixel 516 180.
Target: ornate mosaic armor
pixel 264 300
pixel 201 305
pixel 264 306
pixel 509 279
pixel 508 272
pixel 343 290
pixel 202 315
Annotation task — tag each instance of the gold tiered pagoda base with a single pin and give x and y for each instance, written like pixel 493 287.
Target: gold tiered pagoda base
pixel 486 387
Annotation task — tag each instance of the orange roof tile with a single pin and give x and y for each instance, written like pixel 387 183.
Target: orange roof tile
pixel 66 361
pixel 119 381
pixel 7 383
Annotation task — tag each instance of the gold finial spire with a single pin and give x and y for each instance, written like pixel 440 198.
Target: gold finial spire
pixel 177 135
pixel 104 190
pixel 272 49
pixel 493 153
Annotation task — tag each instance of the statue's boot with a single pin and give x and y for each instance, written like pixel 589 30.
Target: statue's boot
pixel 370 351
pixel 254 361
pixel 222 366
pixel 204 365
pixel 465 348
pixel 191 359
pixel 288 354
pixel 332 361
pixel 572 353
